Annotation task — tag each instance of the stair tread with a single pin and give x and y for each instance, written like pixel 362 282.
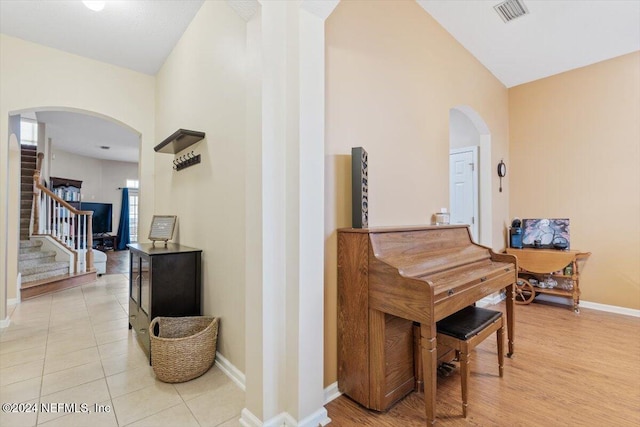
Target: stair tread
pixel 45 268
pixel 23 256
pixel 30 243
pixel 29 249
pixel 24 249
pixel 44 277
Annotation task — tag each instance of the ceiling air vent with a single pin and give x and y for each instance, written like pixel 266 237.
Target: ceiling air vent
pixel 511 9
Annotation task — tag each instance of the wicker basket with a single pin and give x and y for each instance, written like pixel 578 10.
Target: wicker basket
pixel 184 348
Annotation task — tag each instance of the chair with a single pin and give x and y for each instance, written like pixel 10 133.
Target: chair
pixel 463 331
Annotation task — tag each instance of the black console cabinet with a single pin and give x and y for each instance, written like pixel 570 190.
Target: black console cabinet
pixel 163 281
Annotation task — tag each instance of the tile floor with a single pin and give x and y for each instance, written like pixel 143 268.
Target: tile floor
pixel 75 346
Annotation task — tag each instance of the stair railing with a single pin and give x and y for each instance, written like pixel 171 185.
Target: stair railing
pixel 54 217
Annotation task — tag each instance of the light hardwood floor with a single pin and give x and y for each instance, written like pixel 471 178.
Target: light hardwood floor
pixel 569 370
pixel 117 262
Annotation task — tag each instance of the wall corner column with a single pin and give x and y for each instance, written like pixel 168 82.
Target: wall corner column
pixel 285 299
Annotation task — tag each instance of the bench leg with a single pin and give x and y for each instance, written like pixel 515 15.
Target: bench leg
pixel 500 337
pixel 465 371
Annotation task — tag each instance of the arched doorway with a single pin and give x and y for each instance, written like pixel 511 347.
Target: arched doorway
pixel 86 121
pixel 469 134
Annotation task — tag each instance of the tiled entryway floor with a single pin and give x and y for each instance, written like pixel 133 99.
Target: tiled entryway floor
pixel 75 346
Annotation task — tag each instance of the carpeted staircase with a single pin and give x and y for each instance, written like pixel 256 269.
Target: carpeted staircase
pixel 35 264
pixel 42 274
pixel 28 159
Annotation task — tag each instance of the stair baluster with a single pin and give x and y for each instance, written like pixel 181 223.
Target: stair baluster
pixel 68 226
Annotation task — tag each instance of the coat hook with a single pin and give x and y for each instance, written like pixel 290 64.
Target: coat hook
pixel 186 160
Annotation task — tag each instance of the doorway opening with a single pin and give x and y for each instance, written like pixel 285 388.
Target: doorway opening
pixel 48 133
pixel 470 172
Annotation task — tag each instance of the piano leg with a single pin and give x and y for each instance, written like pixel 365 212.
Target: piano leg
pixel 429 345
pixel 418 371
pixel 510 294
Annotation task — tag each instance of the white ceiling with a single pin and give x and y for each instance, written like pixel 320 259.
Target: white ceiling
pixel 134 34
pixel 84 135
pixel 556 36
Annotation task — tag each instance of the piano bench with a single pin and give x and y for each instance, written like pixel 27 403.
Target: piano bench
pixel 463 331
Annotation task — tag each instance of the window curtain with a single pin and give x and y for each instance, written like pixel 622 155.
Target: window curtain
pixel 123 227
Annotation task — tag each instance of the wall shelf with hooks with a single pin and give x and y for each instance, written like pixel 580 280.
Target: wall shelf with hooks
pixel 178 141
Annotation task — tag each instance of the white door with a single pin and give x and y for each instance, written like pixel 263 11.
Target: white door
pixel 463 188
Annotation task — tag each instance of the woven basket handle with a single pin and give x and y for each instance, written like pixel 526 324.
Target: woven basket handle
pixel 152 327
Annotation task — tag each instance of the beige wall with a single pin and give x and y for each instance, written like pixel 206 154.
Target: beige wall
pixel 575 153
pixel 100 178
pixel 393 74
pixel 202 87
pixel 33 76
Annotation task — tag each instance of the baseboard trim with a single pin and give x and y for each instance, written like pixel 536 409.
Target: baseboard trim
pixel 567 301
pixel 492 299
pixel 331 393
pixel 247 419
pixel 284 419
pixel 5 322
pixel 318 418
pixel 610 308
pixel 231 371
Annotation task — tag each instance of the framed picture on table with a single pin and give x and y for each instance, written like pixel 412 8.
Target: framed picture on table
pixel 162 227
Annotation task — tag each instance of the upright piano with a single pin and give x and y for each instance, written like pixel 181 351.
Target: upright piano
pixel 391 278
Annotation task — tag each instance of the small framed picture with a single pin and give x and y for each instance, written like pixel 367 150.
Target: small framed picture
pixel 162 227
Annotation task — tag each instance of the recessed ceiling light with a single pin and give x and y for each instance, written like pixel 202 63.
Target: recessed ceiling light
pixel 96 6
pixel 105 147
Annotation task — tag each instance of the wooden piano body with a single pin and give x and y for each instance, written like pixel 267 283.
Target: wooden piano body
pixel 389 278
